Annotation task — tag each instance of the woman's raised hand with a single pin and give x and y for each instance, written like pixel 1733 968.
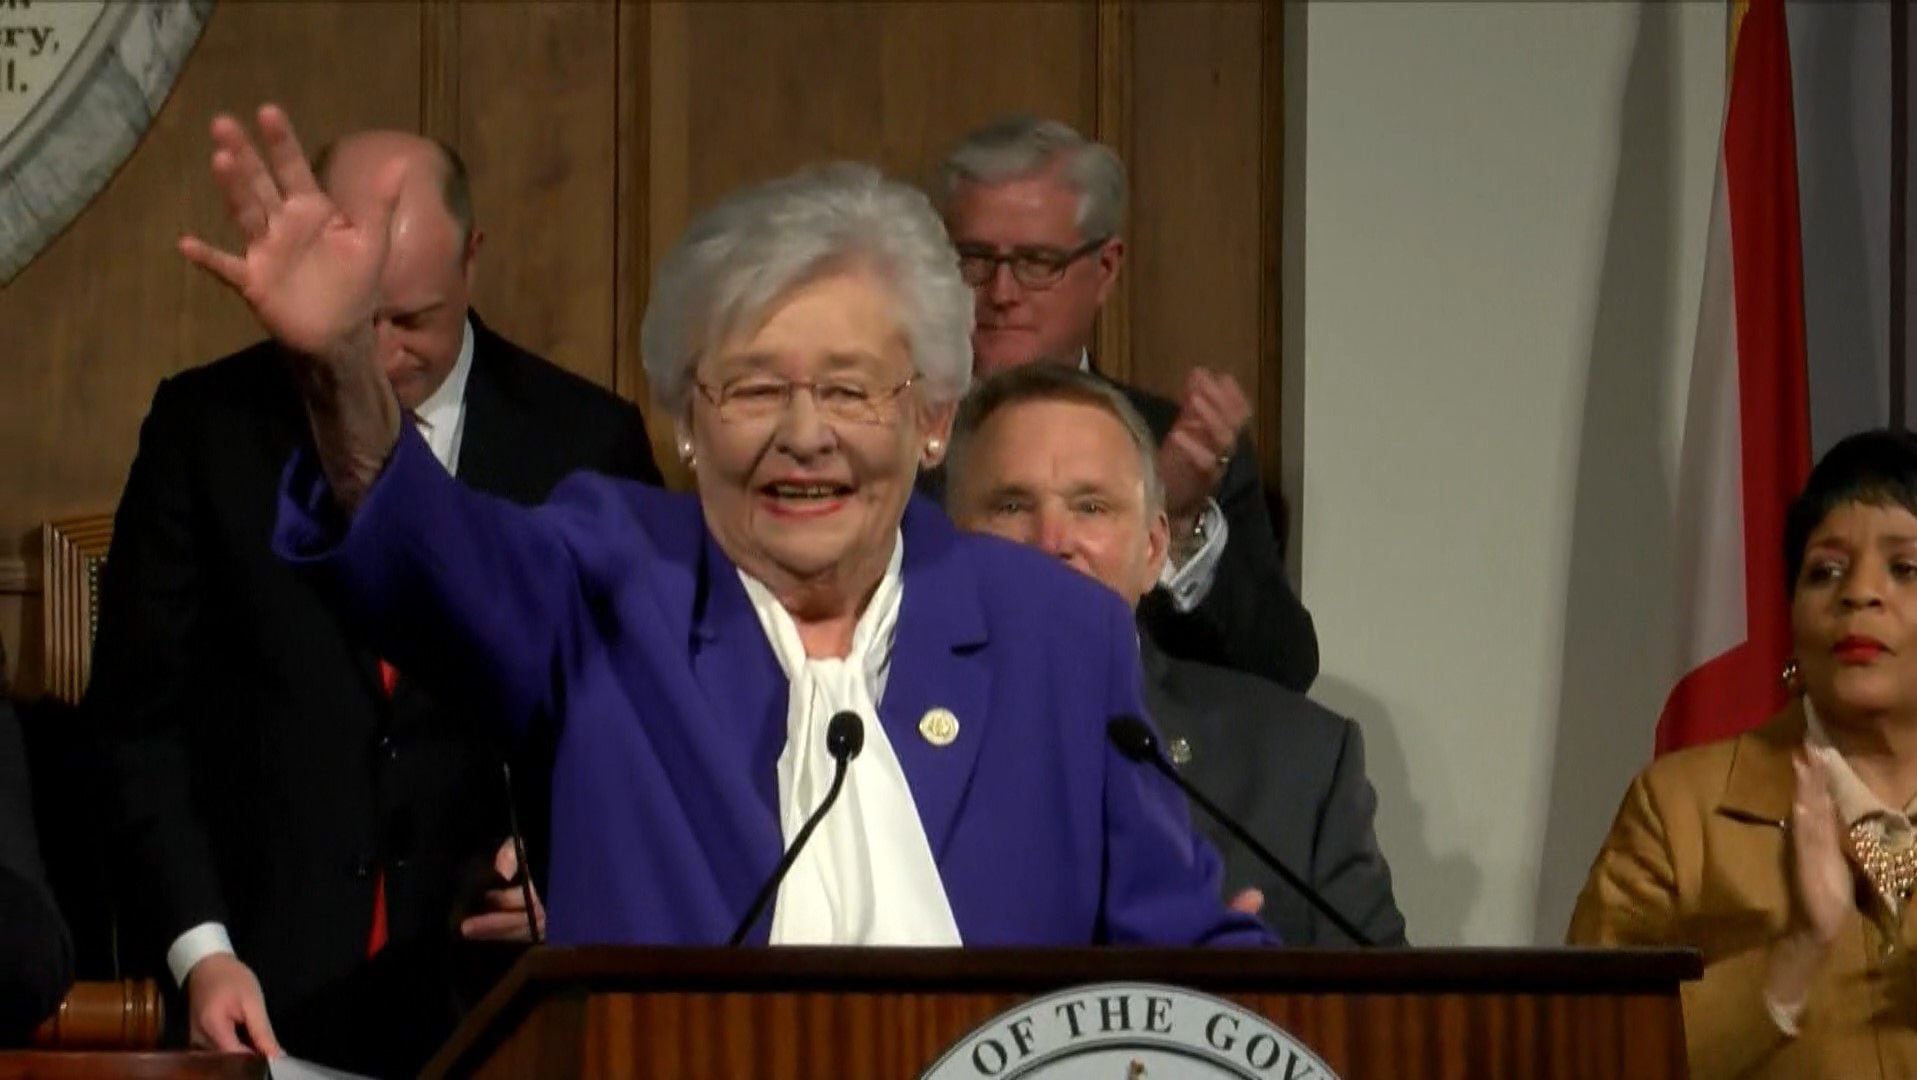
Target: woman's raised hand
pixel 1823 891
pixel 1823 887
pixel 310 273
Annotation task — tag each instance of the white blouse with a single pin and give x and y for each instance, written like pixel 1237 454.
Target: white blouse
pixel 867 876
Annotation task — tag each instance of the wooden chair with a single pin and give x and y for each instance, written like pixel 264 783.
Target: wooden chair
pixel 124 1014
pixel 73 551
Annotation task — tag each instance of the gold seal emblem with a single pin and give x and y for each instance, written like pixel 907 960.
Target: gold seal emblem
pixel 939 727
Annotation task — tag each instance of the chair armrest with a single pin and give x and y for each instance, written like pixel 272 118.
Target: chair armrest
pixel 124 1015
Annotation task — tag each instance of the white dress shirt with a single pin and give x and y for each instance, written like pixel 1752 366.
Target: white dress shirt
pixel 442 416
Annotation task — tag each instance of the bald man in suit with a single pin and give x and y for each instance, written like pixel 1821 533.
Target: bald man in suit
pixel 298 818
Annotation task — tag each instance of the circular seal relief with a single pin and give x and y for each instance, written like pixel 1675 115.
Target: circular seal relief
pixel 80 80
pixel 1128 1031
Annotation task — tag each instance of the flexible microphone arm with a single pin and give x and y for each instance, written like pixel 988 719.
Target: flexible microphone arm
pixel 844 738
pixel 519 854
pixel 1136 741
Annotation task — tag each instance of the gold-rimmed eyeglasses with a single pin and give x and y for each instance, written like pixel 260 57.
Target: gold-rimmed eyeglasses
pixel 843 399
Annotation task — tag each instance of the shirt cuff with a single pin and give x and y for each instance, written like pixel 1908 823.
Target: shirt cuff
pixel 187 950
pixel 1191 583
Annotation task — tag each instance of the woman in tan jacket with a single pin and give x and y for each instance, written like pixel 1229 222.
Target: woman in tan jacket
pixel 1786 855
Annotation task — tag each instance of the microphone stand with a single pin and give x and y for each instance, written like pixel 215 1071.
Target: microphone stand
pixel 844 738
pixel 519 855
pixel 1136 741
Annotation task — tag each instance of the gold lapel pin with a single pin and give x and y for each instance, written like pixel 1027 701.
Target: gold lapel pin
pixel 939 727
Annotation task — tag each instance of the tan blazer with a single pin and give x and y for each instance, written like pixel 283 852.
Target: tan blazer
pixel 1698 856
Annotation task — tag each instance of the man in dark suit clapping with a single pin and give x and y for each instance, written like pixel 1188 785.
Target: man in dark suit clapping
pixel 1037 213
pixel 298 818
pixel 1058 459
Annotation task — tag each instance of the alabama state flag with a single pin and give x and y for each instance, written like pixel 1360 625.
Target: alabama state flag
pixel 1746 443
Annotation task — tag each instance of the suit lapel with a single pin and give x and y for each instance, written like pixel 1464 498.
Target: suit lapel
pixel 735 744
pixel 491 422
pixel 1166 713
pixel 500 427
pixel 938 662
pixel 1759 787
pixel 738 673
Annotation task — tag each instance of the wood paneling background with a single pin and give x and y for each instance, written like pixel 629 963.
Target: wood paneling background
pixel 593 130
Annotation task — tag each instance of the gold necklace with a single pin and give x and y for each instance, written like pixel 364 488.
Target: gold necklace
pixel 1892 873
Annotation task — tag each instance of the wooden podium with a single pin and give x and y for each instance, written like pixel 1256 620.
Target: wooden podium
pixel 890 1013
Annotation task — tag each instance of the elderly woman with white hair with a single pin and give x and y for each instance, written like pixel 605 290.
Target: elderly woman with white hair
pixel 810 339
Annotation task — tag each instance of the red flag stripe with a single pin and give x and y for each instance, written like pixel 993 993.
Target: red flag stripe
pixel 1737 690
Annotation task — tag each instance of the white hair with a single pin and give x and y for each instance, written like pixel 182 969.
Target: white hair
pixel 1020 146
pixel 755 246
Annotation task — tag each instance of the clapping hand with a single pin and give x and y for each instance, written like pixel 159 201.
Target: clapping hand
pixel 1823 889
pixel 1199 445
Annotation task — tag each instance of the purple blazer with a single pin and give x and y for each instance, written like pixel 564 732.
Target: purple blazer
pixel 611 612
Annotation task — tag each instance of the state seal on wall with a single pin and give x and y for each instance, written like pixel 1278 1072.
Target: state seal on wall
pixel 80 80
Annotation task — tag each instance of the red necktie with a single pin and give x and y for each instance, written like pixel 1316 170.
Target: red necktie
pixel 376 938
pixel 388 679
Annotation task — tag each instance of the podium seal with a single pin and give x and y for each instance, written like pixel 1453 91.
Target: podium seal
pixel 1128 1031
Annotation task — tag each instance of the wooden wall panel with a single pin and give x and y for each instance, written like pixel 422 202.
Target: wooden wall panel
pixel 1268 423
pixel 632 199
pixel 439 68
pixel 538 121
pixel 1194 255
pixel 772 86
pixel 947 68
pixel 1115 128
pixel 108 309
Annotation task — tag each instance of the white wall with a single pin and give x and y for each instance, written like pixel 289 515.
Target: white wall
pixel 1496 215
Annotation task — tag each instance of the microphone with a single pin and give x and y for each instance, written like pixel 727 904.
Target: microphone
pixel 1135 741
pixel 519 853
pixel 844 738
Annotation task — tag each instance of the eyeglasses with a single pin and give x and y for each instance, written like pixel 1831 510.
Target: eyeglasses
pixel 1032 267
pixel 849 400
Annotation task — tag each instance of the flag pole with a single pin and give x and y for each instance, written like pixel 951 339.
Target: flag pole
pixel 1899 223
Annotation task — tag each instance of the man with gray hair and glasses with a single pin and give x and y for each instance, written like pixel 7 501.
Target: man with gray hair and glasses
pixel 1036 212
